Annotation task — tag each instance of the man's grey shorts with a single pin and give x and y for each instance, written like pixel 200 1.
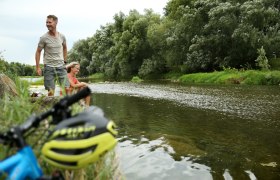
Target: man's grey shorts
pixel 52 74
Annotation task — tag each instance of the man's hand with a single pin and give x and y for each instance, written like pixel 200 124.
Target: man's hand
pixel 39 71
pixel 37 60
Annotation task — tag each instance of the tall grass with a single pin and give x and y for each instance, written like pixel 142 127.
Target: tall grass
pixel 15 109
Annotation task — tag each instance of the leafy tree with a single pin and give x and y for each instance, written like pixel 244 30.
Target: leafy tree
pixel 207 35
pixel 131 46
pixel 152 68
pixel 101 45
pixel 81 52
pixel 192 36
pixel 171 9
pixel 3 63
pixel 262 61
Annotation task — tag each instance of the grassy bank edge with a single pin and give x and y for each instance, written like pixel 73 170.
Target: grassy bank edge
pixel 230 76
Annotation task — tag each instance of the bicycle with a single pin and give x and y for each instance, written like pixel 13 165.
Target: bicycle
pixel 74 142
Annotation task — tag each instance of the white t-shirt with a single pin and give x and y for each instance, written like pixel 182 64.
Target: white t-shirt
pixel 53 49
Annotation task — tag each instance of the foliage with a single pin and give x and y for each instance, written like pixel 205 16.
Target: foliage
pixel 262 61
pixel 81 52
pixel 97 76
pixel 136 79
pixel 14 69
pixel 119 49
pixel 151 67
pixel 173 76
pixel 19 108
pixel 192 36
pixel 274 63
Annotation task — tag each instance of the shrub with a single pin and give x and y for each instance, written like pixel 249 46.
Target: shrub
pixel 262 61
pixel 136 79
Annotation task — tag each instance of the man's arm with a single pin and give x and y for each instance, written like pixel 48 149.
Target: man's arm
pixel 64 52
pixel 37 59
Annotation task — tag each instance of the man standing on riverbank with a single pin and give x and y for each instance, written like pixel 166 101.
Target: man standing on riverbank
pixel 55 57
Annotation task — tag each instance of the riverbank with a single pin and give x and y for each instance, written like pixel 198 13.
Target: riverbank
pixel 229 76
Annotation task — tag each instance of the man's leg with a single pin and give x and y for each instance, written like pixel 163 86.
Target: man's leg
pixel 49 77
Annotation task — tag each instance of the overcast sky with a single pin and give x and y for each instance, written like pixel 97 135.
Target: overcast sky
pixel 23 21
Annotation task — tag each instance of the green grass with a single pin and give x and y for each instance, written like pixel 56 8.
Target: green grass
pixel 17 108
pixel 97 76
pixel 136 79
pixel 250 77
pixel 39 82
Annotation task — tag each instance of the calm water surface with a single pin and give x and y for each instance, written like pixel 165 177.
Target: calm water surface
pixel 194 132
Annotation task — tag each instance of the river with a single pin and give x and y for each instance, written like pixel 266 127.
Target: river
pixel 170 131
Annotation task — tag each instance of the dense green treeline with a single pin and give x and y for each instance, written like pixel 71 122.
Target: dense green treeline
pixel 192 36
pixel 16 69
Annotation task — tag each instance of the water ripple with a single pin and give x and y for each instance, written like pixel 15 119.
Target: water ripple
pixel 229 100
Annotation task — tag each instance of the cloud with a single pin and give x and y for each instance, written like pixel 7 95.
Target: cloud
pixel 13 47
pixel 23 22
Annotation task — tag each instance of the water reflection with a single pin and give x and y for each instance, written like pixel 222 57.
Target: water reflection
pixel 193 142
pixel 151 159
